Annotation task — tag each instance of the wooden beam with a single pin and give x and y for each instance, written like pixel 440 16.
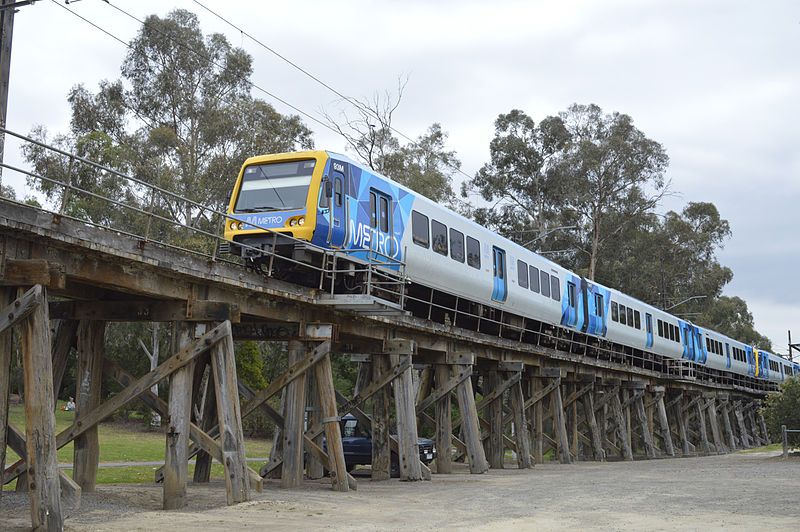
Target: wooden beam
pixel 521 435
pixel 404 401
pixel 621 426
pixel 25 272
pixel 89 377
pixel 560 426
pixel 471 430
pixel 711 408
pixel 443 390
pixel 21 308
pixel 381 450
pixel 150 311
pixel 330 418
pixel 176 468
pixel 64 340
pixel 40 422
pixel 223 364
pixel 663 423
pixel 445 383
pixel 594 429
pixel 6 295
pixel 294 419
pixel 641 416
pixel 493 404
pixel 702 422
pixel 379 382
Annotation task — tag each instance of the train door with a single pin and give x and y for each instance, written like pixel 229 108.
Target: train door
pixel 727 355
pixel 500 290
pixel 380 207
pixel 337 230
pixel 648 325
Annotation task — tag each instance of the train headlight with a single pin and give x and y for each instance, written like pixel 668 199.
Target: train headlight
pixel 292 222
pixel 301 221
pixel 233 226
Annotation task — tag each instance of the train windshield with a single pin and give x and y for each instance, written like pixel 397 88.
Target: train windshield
pixel 275 186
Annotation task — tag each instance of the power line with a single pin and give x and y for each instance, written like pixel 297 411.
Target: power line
pixel 348 99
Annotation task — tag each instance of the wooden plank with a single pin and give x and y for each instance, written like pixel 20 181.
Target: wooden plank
pixel 492 395
pixel 404 403
pixel 89 377
pixel 711 408
pixel 521 435
pixel 621 426
pixel 42 463
pixel 445 388
pixel 471 429
pixel 560 426
pixel 744 435
pixel 25 272
pixel 541 393
pixel 223 364
pixel 726 424
pixel 702 423
pixel 594 429
pixel 294 418
pixel 381 451
pixel 494 414
pixel 207 399
pixel 330 418
pixel 444 421
pixel 6 296
pixel 19 309
pixel 663 423
pixel 641 416
pixel 150 311
pixel 315 468
pixel 176 467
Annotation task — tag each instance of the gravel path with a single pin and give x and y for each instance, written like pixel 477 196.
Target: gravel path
pixel 733 492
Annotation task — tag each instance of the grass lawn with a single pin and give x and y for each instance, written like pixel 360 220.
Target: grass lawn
pixel 770 447
pixel 125 442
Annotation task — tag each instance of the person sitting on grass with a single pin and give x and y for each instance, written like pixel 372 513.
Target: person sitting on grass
pixel 70 406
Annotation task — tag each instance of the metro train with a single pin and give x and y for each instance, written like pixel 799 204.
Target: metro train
pixel 333 202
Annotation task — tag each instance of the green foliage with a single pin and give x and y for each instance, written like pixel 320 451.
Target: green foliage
pixel 250 365
pixel 783 408
pixel 730 316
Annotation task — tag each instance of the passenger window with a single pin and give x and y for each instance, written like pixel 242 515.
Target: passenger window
pixel 637 319
pixel 571 294
pixel 473 253
pixel 614 311
pixel 622 316
pixel 671 332
pixel 337 191
pixel 545 281
pixel 384 214
pixel 439 237
pixel 555 287
pixel 522 274
pixel 373 210
pixel 457 245
pixel 648 323
pixel 534 277
pixel 661 328
pixel 420 231
pixel 598 305
pixel 629 312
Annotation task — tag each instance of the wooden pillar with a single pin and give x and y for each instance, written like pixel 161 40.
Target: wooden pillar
pixel 744 435
pixel 405 410
pixel 381 448
pixel 663 423
pixel 333 432
pixel 223 364
pixel 176 466
pixel 726 424
pixel 294 414
pixel 711 408
pixel 494 414
pixel 63 340
pixel 469 426
pixel 521 436
pixel 641 417
pixel 444 422
pixel 754 429
pixel 573 423
pixel 276 452
pixel 6 296
pixel 560 426
pixel 315 469
pixel 701 419
pixel 538 421
pixel 620 422
pixel 42 464
pixel 208 414
pixel 594 430
pixel 88 380
pixel 763 424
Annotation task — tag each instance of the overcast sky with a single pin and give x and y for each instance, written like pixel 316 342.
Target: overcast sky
pixel 716 82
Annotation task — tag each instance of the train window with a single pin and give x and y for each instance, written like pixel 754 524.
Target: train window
pixel 384 214
pixel 648 323
pixel 571 294
pixel 708 345
pixel 598 305
pixel 420 231
pixel 522 274
pixel 629 312
pixel 637 319
pixel 373 210
pixel 545 279
pixel 473 253
pixel 661 328
pixel 614 311
pixel 457 245
pixel 671 331
pixel 534 277
pixel 622 316
pixel 555 287
pixel 337 191
pixel 439 237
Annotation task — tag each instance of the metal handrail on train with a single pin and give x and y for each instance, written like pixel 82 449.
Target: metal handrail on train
pixel 375 265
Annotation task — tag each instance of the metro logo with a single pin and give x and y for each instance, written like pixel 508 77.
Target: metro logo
pixel 367 237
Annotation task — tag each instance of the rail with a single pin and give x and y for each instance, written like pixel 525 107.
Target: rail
pixel 785 439
pixel 153 214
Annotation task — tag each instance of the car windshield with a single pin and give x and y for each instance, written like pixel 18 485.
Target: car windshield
pixel 275 186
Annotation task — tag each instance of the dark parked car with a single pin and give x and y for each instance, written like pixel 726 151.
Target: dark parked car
pixel 357 442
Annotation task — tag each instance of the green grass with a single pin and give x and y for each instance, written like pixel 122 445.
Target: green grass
pixel 765 448
pixel 125 442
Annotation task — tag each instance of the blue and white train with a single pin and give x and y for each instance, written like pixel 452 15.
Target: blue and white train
pixel 334 202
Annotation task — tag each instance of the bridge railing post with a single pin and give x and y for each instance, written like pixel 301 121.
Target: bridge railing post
pixel 785 440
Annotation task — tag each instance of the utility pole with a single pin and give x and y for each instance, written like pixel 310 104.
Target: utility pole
pixel 7 10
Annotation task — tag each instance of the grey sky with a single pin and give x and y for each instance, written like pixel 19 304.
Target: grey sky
pixel 716 82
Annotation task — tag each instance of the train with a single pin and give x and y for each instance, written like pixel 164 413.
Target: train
pixel 335 203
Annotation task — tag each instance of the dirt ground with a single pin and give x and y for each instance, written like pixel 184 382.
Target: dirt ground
pixel 738 491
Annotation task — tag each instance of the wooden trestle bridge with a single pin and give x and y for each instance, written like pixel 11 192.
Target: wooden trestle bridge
pixel 62 280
